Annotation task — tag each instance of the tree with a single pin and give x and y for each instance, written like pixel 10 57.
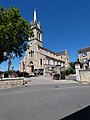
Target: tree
pixel 72 64
pixel 14 32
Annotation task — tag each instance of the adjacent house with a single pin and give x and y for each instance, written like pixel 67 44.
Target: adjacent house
pixel 84 54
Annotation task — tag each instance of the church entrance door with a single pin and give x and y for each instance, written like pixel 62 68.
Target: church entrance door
pixel 31 67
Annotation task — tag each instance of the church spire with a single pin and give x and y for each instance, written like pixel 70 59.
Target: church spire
pixel 35 15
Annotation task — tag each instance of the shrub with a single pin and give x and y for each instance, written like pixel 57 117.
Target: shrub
pixel 63 73
pixel 9 72
pixel 68 71
pixel 23 74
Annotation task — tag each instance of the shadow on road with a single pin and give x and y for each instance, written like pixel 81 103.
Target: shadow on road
pixel 83 114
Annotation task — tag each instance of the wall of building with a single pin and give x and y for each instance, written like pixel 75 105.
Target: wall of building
pixel 82 75
pixel 47 60
pixel 51 54
pixel 81 57
pixel 88 54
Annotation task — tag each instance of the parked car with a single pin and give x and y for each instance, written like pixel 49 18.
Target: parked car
pixel 56 76
pixel 38 72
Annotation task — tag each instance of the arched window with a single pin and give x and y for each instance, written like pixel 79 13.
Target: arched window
pixel 31 62
pixel 39 36
pixel 40 61
pixel 31 53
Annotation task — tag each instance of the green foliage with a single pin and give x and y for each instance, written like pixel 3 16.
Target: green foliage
pixel 72 65
pixel 81 65
pixel 63 73
pixel 9 72
pixel 71 69
pixel 68 71
pixel 14 32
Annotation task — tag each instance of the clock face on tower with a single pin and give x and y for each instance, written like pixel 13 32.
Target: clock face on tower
pixel 84 54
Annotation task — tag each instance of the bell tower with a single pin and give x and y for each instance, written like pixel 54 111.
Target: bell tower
pixel 31 58
pixel 37 31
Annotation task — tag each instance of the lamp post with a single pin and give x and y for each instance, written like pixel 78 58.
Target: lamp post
pixel 23 71
pixel 9 57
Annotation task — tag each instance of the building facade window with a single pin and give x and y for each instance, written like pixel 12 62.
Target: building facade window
pixel 40 61
pixel 39 36
pixel 31 53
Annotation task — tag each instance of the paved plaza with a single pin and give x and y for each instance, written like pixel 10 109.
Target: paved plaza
pixel 44 80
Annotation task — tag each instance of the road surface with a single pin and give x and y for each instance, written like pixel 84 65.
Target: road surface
pixel 43 102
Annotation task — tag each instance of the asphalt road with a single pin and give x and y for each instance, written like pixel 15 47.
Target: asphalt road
pixel 43 102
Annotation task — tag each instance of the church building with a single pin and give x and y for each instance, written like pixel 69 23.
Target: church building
pixel 39 58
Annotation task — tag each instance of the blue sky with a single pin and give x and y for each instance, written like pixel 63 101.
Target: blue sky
pixel 65 24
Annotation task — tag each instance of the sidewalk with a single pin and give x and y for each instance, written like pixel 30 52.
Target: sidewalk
pixel 42 80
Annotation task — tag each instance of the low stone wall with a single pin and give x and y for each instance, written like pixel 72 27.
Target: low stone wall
pixel 85 76
pixel 10 83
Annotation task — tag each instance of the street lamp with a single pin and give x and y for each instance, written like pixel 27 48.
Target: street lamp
pixel 8 56
pixel 23 72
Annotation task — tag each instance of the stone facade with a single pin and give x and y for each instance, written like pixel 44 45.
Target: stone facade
pixel 82 75
pixel 38 57
pixel 10 83
pixel 85 75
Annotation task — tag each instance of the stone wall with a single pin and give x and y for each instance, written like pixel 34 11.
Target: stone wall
pixel 85 75
pixel 6 83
